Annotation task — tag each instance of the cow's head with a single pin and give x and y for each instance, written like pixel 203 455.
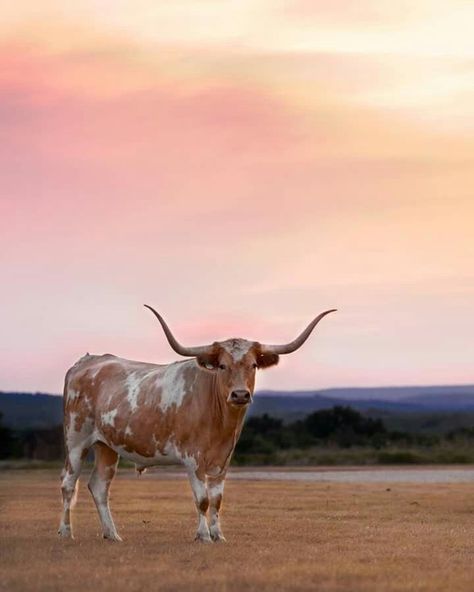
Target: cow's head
pixel 235 361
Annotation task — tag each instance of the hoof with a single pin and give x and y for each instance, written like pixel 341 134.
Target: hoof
pixel 218 538
pixel 65 532
pixel 199 538
pixel 113 538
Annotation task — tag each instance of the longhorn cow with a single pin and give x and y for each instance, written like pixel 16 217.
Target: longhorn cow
pixel 190 412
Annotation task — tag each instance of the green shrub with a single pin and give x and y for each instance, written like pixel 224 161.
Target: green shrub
pixel 399 457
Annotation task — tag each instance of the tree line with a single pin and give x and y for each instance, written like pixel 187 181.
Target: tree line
pixel 35 443
pixel 339 427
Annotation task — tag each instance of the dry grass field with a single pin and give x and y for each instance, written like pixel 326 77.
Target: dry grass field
pixel 281 536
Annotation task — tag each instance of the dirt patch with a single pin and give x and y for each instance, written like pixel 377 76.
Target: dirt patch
pixel 282 535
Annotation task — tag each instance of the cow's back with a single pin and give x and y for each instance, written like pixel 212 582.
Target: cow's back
pixel 97 393
pixel 133 407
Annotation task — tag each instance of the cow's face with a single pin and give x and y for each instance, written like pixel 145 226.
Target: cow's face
pixel 235 362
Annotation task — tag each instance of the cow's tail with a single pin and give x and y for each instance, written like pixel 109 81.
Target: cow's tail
pixel 74 495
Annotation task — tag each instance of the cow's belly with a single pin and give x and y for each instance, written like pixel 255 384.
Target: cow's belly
pixel 170 456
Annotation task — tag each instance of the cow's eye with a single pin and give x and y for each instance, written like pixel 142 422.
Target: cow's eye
pixel 222 367
pixel 254 365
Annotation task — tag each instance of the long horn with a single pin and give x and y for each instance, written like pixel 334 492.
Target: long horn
pixel 178 348
pixel 287 348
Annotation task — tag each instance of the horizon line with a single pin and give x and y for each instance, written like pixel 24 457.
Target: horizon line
pixel 305 390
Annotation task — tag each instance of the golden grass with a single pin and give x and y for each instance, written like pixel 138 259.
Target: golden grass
pixel 281 536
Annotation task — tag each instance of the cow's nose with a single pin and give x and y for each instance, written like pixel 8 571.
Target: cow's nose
pixel 240 396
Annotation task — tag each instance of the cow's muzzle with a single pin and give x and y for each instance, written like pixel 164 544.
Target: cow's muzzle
pixel 240 398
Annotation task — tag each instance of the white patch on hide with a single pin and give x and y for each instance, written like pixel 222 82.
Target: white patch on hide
pixel 72 394
pixel 216 490
pixel 237 348
pixel 109 417
pixel 172 386
pixel 72 421
pixel 198 486
pixel 133 385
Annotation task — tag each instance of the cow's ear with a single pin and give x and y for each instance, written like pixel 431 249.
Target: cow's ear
pixel 265 360
pixel 209 361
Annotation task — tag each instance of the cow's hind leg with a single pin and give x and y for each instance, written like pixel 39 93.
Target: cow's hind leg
pixel 201 499
pixel 69 482
pixel 104 471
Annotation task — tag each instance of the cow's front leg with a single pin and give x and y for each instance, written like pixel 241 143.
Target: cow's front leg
pixel 215 489
pixel 197 479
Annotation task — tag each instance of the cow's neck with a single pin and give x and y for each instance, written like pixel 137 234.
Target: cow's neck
pixel 226 421
pixel 228 418
pixel 227 424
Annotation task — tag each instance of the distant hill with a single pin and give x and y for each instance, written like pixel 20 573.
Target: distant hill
pixel 385 393
pixel 388 399
pixel 28 410
pixel 291 405
pixel 39 410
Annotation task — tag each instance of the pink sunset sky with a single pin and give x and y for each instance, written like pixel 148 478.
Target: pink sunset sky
pixel 241 166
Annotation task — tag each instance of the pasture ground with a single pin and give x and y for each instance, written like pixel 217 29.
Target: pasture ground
pixel 281 536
